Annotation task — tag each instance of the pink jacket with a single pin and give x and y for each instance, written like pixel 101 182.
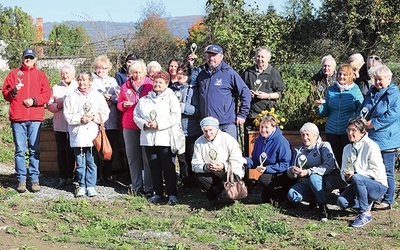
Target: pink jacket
pixel 127 113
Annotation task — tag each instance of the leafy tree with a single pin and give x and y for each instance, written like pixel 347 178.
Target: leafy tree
pixel 153 40
pixel 65 41
pixel 17 31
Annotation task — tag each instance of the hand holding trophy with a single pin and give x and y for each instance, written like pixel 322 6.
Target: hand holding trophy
pixel 364 113
pixel 20 76
pixel 321 93
pixel 263 157
pixel 257 85
pixel 301 161
pixel 128 96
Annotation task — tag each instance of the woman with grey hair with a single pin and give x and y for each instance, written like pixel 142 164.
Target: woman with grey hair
pixel 65 155
pixel 311 161
pixel 381 109
pixel 152 68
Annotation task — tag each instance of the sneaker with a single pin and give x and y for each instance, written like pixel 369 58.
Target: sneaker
pixel 35 187
pixel 172 200
pixel 323 212
pixel 70 181
pixel 81 192
pixel 362 220
pixel 154 199
pixel 382 206
pixel 21 187
pixel 62 183
pixel 91 191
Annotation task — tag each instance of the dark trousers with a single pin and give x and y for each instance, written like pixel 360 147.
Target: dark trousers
pixel 65 155
pixel 276 187
pixel 185 160
pixel 212 184
pixel 105 167
pixel 160 163
pixel 337 143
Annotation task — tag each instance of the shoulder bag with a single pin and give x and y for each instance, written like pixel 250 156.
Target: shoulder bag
pixel 177 139
pixel 234 187
pixel 101 142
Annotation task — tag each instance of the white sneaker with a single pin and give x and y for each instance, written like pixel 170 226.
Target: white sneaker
pixel 81 192
pixel 91 191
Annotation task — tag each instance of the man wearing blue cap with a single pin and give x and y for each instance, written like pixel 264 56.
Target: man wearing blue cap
pixel 27 89
pixel 220 89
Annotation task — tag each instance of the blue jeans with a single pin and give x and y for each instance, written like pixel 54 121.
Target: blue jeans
pixel 229 128
pixel 86 169
pixel 389 159
pixel 23 132
pixel 361 192
pixel 307 191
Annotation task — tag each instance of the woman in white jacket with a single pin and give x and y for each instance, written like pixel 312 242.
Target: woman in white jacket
pixel 155 114
pixel 82 110
pixel 363 168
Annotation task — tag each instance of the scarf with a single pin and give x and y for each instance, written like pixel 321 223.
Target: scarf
pixel 85 91
pixel 344 87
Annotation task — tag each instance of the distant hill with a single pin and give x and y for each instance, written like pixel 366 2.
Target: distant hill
pixel 98 30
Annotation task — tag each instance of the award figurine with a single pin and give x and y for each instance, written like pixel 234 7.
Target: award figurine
pixel 20 75
pixel 263 157
pixel 193 48
pixel 153 115
pixel 87 107
pixel 213 154
pixel 117 90
pixel 179 95
pixel 301 161
pixel 257 85
pixel 364 112
pixel 320 93
pixel 128 96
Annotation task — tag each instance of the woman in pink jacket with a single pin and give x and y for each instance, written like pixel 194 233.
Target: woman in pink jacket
pixel 137 86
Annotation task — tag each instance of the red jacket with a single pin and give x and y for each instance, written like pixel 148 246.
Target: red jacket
pixel 36 86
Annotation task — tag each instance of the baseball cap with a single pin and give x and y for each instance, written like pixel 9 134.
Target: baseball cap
pixel 213 48
pixel 29 52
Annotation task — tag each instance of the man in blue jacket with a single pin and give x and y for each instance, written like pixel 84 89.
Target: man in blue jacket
pixel 220 89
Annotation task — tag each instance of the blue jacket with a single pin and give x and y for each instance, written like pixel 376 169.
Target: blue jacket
pixel 189 99
pixel 339 107
pixel 385 116
pixel 278 151
pixel 219 92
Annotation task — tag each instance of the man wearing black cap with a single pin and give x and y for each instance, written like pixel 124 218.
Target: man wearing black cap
pixel 220 88
pixel 27 89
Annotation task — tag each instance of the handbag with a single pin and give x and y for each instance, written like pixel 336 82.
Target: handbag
pixel 177 139
pixel 234 187
pixel 101 142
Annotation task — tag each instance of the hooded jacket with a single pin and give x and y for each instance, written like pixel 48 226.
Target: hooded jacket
pixel 36 86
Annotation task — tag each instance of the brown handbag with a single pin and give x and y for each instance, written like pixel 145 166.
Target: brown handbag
pixel 234 187
pixel 101 142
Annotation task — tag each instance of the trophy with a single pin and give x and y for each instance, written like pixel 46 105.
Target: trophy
pixel 301 161
pixel 351 160
pixel 364 112
pixel 128 96
pixel 117 90
pixel 263 157
pixel 179 95
pixel 257 85
pixel 87 107
pixel 193 48
pixel 20 75
pixel 153 115
pixel 213 154
pixel 321 93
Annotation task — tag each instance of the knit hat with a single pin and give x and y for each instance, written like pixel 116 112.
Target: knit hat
pixel 209 121
pixel 162 74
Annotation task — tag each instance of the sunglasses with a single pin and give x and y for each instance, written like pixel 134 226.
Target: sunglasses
pixel 374 58
pixel 29 57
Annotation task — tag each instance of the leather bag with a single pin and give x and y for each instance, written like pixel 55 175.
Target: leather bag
pixel 101 142
pixel 234 187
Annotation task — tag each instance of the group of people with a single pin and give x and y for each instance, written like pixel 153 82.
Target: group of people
pixel 210 103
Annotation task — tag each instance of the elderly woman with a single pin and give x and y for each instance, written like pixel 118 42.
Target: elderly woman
pixel 214 152
pixel 311 161
pixel 381 109
pixel 271 156
pixel 152 68
pixel 360 72
pixel 137 86
pixel 188 97
pixel 65 155
pixel 84 108
pixel 342 100
pixel 155 114
pixel 107 85
pixel 363 168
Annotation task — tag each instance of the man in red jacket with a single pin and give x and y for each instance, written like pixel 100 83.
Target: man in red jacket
pixel 27 89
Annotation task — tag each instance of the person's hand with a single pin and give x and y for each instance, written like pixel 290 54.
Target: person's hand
pixel 348 174
pixel 86 119
pixel 369 124
pixel 126 104
pixel 318 103
pixel 215 166
pixel 151 125
pixel 239 121
pixel 28 102
pixel 261 169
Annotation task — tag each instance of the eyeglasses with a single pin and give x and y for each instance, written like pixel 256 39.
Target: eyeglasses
pixel 374 58
pixel 352 130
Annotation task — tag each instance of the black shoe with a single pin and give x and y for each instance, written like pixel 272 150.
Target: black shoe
pixel 211 204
